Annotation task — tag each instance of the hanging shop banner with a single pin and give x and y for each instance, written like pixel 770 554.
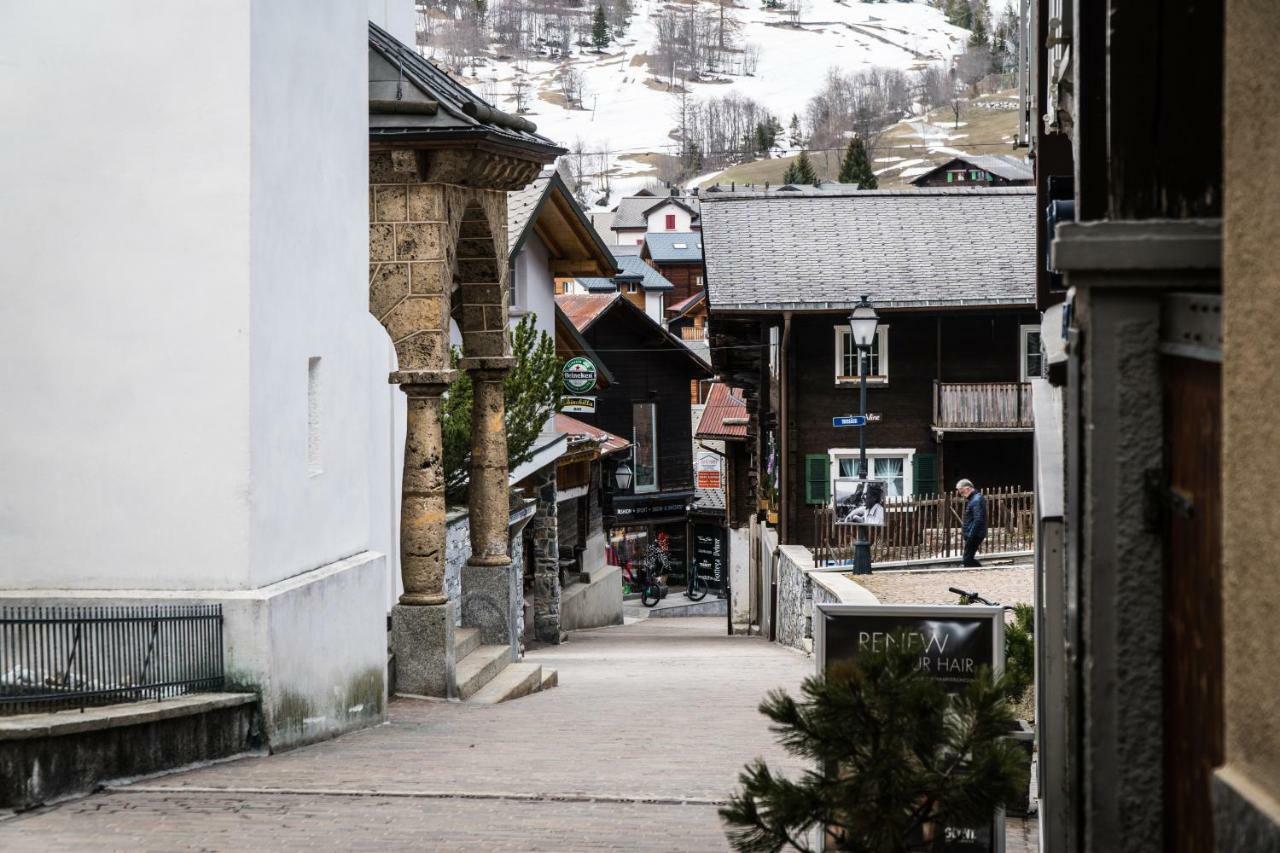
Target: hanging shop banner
pixel 709 554
pixel 578 405
pixel 579 375
pixel 954 643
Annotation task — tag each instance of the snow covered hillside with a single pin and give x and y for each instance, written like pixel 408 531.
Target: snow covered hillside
pixel 629 111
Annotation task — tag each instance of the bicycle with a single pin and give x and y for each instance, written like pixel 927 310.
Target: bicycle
pixel 653 569
pixel 697 589
pixel 974 598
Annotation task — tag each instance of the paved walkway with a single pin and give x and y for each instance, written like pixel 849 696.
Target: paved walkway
pixel 634 750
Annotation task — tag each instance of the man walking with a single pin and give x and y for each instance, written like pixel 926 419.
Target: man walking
pixel 974 522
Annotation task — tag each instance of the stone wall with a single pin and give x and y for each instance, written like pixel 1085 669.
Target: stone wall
pixel 795 597
pixel 457 547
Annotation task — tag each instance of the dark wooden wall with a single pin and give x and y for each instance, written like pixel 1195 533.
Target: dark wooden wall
pixel 683 276
pixel 646 369
pixel 977 347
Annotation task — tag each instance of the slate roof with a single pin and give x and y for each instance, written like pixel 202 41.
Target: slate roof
pixel 574 428
pixel 903 248
pixel 1001 165
pixel 723 404
pixel 632 268
pixel 402 87
pixel 674 247
pixel 708 500
pixel 633 210
pixel 522 205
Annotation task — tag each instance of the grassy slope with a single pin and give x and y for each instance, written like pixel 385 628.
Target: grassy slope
pixel 985 131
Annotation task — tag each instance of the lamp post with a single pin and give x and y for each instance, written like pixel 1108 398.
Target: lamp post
pixel 862 329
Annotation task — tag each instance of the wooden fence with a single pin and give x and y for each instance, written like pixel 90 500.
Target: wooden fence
pixel 927 527
pixel 982 405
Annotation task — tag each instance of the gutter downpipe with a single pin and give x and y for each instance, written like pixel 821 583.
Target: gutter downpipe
pixel 784 400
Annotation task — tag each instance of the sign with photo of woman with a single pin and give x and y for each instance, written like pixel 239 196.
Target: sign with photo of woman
pixel 859 501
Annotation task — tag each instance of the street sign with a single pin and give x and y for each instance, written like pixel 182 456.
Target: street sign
pixel 855 420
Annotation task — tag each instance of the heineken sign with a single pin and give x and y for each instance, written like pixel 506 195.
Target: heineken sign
pixel 579 375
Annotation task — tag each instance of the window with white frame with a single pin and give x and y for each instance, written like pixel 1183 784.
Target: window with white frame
pixel 644 440
pixel 1030 355
pixel 896 466
pixel 846 367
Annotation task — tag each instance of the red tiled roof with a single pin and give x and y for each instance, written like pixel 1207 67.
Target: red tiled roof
pixel 609 443
pixel 725 416
pixel 582 309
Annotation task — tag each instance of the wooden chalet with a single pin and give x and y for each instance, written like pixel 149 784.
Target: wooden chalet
pixel 951 274
pixel 978 170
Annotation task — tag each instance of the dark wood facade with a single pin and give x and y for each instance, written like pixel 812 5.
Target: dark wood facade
pixel 924 347
pixel 647 366
pixel 687 278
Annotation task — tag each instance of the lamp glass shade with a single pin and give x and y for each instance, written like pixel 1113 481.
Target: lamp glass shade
pixel 622 476
pixel 862 324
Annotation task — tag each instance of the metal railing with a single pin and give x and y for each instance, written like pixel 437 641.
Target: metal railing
pixel 53 658
pixel 925 528
pixel 982 405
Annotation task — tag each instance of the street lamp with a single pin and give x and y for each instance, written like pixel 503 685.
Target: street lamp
pixel 862 328
pixel 622 476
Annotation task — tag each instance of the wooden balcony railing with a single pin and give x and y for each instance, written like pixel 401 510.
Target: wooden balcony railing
pixel 693 333
pixel 982 405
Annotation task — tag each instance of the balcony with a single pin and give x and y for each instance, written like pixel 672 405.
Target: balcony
pixel 693 333
pixel 982 406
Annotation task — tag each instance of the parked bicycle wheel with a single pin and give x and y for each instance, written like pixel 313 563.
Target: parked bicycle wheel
pixel 697 587
pixel 651 595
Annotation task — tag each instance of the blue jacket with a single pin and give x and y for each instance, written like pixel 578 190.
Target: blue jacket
pixel 974 522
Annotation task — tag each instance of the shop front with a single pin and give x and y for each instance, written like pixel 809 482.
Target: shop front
pixel 650 530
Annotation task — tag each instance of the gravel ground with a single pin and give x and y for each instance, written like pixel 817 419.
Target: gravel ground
pixel 1007 585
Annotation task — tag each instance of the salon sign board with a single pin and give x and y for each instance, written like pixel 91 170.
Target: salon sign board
pixel 954 643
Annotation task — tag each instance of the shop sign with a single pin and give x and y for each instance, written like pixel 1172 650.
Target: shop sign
pixel 579 375
pixel 954 643
pixel 638 509
pixel 578 405
pixel 708 471
pixel 709 552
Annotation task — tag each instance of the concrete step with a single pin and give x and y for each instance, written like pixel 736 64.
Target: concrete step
pixel 465 641
pixel 478 668
pixel 549 678
pixel 518 679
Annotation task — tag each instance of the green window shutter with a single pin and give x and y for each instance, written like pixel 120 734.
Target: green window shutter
pixel 816 483
pixel 926 474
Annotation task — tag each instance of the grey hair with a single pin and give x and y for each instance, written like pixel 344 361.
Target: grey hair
pixel 963 483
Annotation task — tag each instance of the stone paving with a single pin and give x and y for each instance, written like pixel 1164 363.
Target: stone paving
pixel 634 750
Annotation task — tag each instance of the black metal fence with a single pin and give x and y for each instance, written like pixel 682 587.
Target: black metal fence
pixel 52 658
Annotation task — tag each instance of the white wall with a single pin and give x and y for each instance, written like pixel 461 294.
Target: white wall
pixel 396 17
pixel 176 247
pixel 653 306
pixel 124 264
pixel 658 218
pixel 309 283
pixel 534 291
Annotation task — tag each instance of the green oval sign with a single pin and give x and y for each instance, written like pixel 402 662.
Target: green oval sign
pixel 579 375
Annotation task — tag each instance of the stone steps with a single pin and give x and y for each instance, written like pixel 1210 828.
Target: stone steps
pixel 514 681
pixel 465 641
pixel 478 668
pixel 549 678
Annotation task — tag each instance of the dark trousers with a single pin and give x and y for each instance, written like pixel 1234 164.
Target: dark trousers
pixel 971 545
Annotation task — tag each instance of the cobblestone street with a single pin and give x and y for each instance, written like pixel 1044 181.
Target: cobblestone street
pixel 634 750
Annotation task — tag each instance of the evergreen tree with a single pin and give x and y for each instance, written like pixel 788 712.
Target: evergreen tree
pixel 901 753
pixel 979 24
pixel 600 29
pixel 856 166
pixel 530 391
pixel 800 171
pixel 959 13
pixel 796 139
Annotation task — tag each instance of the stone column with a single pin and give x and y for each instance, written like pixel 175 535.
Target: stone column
pixel 488 600
pixel 421 625
pixel 546 556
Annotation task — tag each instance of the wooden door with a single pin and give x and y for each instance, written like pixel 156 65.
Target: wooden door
pixel 1193 599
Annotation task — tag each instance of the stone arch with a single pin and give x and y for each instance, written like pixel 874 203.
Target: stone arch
pixel 479 299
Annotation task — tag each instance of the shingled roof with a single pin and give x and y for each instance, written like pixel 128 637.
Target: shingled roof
pixel 411 99
pixel 1000 165
pixel 674 247
pixel 904 248
pixel 632 268
pixel 633 211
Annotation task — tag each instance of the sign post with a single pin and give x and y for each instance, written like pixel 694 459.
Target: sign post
pixel 855 420
pixel 954 641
